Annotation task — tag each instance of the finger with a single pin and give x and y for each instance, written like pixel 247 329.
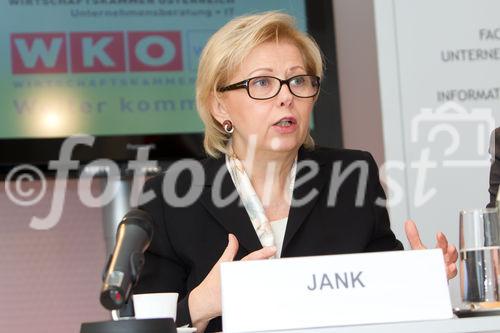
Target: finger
pixel 413 236
pixel 451 271
pixel 231 249
pixel 442 243
pixel 264 253
pixel 453 253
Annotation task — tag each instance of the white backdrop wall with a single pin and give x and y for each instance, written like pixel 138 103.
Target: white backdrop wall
pixel 439 77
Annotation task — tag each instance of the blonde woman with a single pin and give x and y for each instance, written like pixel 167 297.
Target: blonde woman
pixel 265 190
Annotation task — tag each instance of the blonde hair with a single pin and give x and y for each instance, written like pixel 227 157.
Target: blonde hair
pixel 226 50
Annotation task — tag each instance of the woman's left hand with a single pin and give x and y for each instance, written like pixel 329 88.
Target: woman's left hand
pixel 449 251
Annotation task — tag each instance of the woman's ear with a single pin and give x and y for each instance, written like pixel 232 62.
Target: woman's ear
pixel 218 110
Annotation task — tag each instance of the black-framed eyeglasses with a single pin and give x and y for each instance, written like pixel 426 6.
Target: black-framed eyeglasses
pixel 266 87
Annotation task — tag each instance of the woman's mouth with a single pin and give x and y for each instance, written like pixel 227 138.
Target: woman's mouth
pixel 286 122
pixel 286 125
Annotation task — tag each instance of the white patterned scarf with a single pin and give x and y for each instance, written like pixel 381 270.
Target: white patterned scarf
pixel 251 201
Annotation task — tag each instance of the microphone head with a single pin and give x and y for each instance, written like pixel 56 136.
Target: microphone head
pixel 141 219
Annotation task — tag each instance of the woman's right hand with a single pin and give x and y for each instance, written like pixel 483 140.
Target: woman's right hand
pixel 205 300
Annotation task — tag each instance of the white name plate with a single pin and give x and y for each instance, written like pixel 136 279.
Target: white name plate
pixel 334 290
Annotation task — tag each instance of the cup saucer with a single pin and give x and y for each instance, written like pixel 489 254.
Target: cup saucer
pixel 186 329
pixel 480 312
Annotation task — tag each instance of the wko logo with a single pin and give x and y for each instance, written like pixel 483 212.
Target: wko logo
pixel 91 52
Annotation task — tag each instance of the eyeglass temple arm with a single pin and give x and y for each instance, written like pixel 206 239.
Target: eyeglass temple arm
pixel 238 85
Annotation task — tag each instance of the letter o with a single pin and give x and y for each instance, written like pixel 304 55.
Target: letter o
pixel 170 180
pixel 110 189
pixel 141 50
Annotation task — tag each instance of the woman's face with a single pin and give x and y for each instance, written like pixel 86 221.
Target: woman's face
pixel 281 123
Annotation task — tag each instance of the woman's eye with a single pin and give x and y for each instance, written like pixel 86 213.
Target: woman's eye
pixel 261 82
pixel 298 81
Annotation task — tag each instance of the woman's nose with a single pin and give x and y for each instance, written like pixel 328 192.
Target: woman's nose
pixel 285 96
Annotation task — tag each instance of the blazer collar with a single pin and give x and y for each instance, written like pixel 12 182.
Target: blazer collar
pixel 233 216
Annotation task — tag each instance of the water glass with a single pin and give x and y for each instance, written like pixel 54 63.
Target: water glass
pixel 480 257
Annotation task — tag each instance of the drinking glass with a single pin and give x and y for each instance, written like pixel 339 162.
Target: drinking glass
pixel 480 257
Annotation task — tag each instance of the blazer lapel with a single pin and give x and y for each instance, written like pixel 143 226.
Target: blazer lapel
pixel 233 216
pixel 298 214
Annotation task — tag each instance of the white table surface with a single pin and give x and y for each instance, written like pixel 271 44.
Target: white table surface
pixel 456 325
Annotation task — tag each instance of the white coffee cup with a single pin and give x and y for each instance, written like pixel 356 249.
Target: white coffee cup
pixel 155 305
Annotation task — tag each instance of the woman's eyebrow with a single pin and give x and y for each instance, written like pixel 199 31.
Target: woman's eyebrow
pixel 291 69
pixel 261 69
pixel 295 68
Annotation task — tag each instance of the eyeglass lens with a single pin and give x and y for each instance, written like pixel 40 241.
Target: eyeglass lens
pixel 268 86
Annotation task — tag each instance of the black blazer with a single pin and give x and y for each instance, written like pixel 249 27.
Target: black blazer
pixel 188 241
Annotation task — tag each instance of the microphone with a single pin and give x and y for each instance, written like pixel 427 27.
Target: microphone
pixel 127 260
